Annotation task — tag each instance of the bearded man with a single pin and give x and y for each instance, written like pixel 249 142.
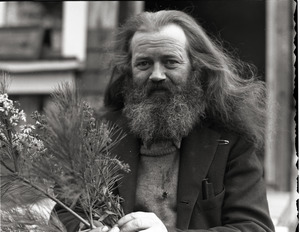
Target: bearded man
pixel 194 120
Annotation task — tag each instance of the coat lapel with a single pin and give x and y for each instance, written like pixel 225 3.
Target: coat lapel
pixel 197 153
pixel 126 150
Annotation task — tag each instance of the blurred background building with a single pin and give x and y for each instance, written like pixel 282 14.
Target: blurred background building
pixel 43 43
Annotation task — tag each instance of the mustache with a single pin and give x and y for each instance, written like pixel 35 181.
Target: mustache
pixel 160 86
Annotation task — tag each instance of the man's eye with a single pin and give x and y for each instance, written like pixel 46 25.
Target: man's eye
pixel 143 65
pixel 171 63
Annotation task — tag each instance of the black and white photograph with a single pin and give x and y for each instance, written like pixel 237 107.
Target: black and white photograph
pixel 149 116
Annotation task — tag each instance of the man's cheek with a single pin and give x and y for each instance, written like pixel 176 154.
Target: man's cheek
pixel 140 77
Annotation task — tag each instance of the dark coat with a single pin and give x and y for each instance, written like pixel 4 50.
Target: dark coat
pixel 226 161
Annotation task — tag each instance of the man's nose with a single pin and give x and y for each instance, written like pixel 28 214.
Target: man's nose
pixel 158 73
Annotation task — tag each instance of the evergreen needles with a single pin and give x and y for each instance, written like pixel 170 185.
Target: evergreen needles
pixel 65 156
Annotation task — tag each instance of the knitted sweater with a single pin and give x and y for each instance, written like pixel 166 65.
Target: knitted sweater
pixel 157 181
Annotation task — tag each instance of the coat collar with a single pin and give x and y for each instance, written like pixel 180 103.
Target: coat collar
pixel 196 154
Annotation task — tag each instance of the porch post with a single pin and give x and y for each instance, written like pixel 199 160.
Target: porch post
pixel 74 31
pixel 280 133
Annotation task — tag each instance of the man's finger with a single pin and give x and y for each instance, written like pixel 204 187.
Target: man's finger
pixel 134 225
pixel 115 229
pixel 130 217
pixel 137 222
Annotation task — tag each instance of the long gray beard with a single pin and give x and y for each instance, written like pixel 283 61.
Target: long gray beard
pixel 168 117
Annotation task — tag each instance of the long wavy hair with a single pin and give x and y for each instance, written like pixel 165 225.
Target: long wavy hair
pixel 234 97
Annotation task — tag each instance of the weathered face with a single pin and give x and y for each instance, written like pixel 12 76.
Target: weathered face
pixel 160 57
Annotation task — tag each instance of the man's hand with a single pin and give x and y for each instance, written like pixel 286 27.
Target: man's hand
pixel 141 221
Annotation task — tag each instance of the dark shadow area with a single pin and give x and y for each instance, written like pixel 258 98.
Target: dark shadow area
pixel 238 24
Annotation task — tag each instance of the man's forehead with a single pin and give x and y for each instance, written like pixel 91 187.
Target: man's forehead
pixel 172 32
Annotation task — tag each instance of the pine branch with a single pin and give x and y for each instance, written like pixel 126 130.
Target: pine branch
pixel 74 156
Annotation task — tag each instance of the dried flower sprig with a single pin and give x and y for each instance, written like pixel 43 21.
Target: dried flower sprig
pixel 67 149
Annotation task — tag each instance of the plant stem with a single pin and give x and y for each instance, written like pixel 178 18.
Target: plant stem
pixel 6 166
pixel 48 195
